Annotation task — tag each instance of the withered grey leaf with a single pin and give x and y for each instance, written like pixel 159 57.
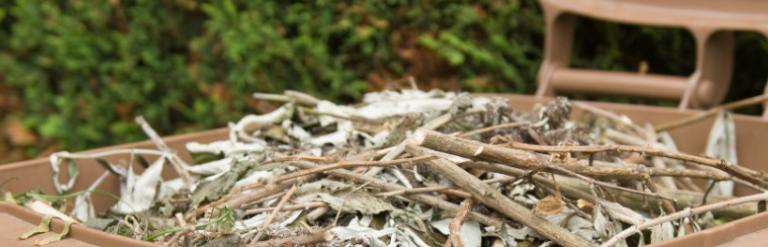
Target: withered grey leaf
pixel 137 192
pixel 662 232
pixel 721 144
pixel 362 202
pixel 209 190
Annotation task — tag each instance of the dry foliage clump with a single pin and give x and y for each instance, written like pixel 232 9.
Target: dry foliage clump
pixel 415 168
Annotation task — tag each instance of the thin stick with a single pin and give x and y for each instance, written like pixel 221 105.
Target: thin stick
pixel 617 148
pixel 445 189
pixel 421 198
pixel 665 182
pixel 399 148
pixel 271 97
pixel 609 185
pixel 68 155
pixel 274 213
pixel 623 121
pixel 178 164
pixel 527 160
pixel 236 202
pixel 577 188
pixel 711 112
pixel 666 204
pixel 302 98
pixel 415 191
pixel 412 82
pixel 286 207
pixel 495 199
pixel 349 164
pixel 688 212
pixel 733 169
pixel 492 128
pixel 455 226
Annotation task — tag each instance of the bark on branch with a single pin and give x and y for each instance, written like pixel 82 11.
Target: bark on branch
pixel 493 198
pixel 532 161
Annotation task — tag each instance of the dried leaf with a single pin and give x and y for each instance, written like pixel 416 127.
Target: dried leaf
pixel 212 189
pixel 622 213
pixel 368 236
pixel 584 205
pixel 46 209
pixel 359 201
pixel 470 231
pixel 83 208
pixel 662 232
pixel 721 144
pixel 137 192
pixel 211 168
pixel 549 205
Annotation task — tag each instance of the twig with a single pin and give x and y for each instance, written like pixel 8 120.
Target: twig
pixel 271 97
pixel 492 128
pixel 496 200
pixel 733 169
pixel 273 214
pixel 623 138
pixel 445 189
pixel 577 188
pixel 349 164
pixel 415 191
pixel 455 226
pixel 178 164
pixel 399 148
pixel 613 186
pixel 426 199
pixel 623 121
pixel 688 212
pixel 412 82
pixel 527 160
pixel 665 182
pixel 711 112
pixel 286 207
pixel 99 155
pixel 302 98
pixel 353 118
pixel 236 202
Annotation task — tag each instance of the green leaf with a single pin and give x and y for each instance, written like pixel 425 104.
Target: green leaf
pixel 43 227
pixel 55 237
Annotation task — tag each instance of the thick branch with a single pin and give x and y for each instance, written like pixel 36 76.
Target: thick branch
pixel 688 212
pixel 495 199
pixel 421 198
pixel 580 189
pixel 733 169
pixel 531 161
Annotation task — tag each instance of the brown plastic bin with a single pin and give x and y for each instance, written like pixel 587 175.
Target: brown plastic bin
pixel 752 138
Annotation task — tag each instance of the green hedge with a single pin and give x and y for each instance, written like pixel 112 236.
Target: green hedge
pixel 84 68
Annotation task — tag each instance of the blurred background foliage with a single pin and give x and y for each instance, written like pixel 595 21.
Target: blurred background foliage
pixel 74 73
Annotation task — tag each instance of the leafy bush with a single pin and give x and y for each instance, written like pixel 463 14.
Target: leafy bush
pixel 83 69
